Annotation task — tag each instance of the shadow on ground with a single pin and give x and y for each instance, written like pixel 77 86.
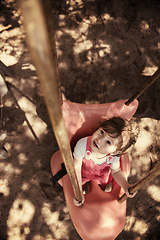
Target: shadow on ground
pixel 105 50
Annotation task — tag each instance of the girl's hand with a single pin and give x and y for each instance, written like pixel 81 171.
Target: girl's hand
pixel 76 203
pixel 130 195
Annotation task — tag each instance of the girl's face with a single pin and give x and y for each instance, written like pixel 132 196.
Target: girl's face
pixel 103 144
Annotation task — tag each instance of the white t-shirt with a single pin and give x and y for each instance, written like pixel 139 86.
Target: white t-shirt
pixel 80 152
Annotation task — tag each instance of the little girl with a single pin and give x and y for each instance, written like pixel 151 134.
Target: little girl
pixel 97 157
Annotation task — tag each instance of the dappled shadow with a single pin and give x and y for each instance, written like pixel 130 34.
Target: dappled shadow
pixel 12 118
pixel 106 50
pixel 7 15
pixel 139 223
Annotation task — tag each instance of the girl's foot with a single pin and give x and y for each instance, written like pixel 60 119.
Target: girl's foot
pixel 86 188
pixel 108 187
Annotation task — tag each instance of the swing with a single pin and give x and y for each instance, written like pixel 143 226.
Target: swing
pixel 101 217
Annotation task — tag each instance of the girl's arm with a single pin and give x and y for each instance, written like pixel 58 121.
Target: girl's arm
pixel 121 179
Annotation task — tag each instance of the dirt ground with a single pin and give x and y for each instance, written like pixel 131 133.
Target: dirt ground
pixel 106 50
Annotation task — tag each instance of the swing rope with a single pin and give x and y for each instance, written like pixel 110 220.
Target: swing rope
pixel 147 84
pixel 143 181
pixel 38 41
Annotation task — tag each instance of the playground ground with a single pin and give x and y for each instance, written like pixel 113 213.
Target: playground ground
pixel 106 51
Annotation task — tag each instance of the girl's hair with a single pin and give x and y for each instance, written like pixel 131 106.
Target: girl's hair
pixel 118 126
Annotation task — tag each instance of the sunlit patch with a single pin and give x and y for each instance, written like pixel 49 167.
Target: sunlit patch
pixel 9 169
pixel 146 138
pixel 154 192
pixel 3 28
pixel 19 219
pixel 144 26
pixel 92 20
pixel 74 34
pixel 106 16
pixel 22 158
pixel 136 225
pixel 39 237
pixel 141 49
pixel 18 147
pixel 82 44
pixel 62 17
pixel 127 53
pixel 58 227
pixel 101 53
pixel 133 171
pixel 158 216
pixel 62 23
pixel 115 58
pixel 25 186
pixel 8 59
pixel 61 20
pixel 140 227
pixel 28 66
pixel 158 30
pixel 144 141
pixel 149 71
pixel 86 45
pixel 49 237
pixel 150 68
pixel 130 220
pixel 38 163
pixel 38 126
pixel 59 34
pixel 4 187
pixel 106 48
pixel 89 55
pixel 92 102
pixel 62 65
pixel 8 49
pixel 112 84
pixel 8 103
pixel 12 48
pixel 146 146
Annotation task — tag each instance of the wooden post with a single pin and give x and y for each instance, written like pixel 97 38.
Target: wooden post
pixel 148 83
pixel 38 41
pixel 143 181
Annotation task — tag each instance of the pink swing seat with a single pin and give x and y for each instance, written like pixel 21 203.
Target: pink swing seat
pixel 101 216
